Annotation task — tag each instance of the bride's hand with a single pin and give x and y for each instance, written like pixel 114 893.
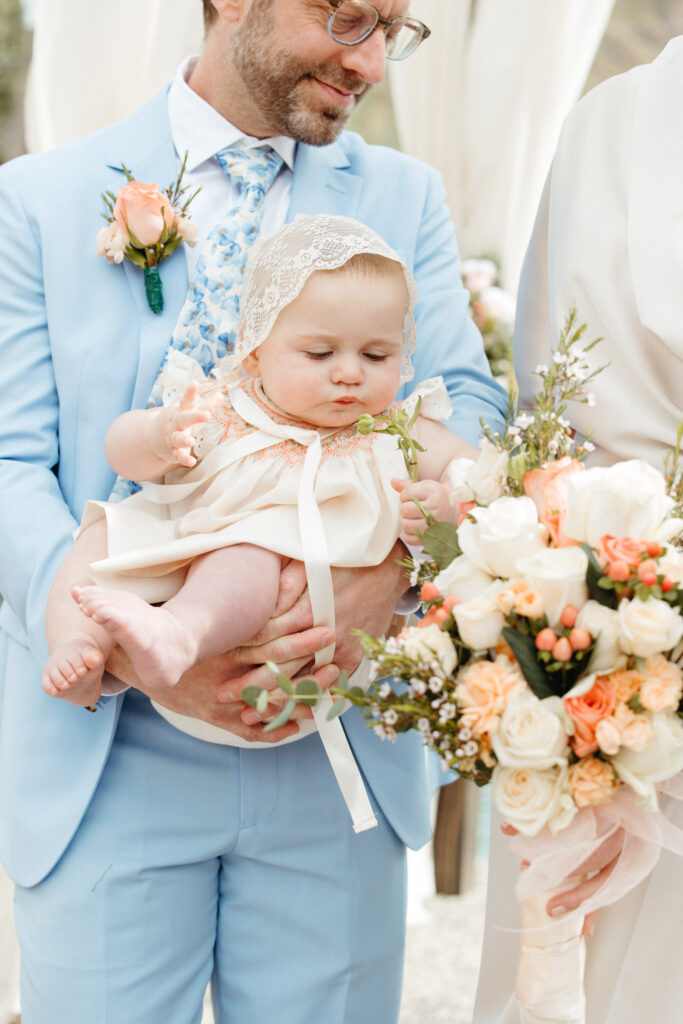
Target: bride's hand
pixel 593 872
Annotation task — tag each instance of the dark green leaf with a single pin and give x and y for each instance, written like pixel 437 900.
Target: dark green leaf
pixel 440 542
pixel 593 576
pixel 524 650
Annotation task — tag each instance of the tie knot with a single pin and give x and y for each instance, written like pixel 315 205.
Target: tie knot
pixel 250 168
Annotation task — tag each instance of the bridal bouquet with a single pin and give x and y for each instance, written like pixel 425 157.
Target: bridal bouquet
pixel 548 659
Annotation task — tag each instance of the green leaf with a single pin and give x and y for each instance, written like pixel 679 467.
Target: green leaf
pixel 251 694
pixel 440 542
pixel 594 575
pixel 308 692
pixel 358 693
pixel 262 702
pixel 282 718
pixel 524 650
pixel 135 257
pixel 338 708
pixel 285 684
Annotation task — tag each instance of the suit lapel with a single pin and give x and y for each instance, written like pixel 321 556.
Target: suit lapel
pixel 323 183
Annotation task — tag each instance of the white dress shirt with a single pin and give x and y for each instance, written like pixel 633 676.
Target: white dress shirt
pixel 198 129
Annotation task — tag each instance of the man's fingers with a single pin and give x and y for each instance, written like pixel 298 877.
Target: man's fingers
pixel 292 586
pixel 293 647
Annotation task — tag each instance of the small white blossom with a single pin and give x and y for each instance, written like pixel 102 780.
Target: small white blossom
pixel 541 369
pixel 380 731
pixel 390 734
pixel 464 734
pixel 588 446
pixel 471 748
pixel 459 752
pixel 385 691
pixel 423 724
pixel 390 716
pixel 435 684
pixel 590 399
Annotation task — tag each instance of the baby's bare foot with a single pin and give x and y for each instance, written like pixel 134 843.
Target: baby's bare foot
pixel 76 666
pixel 159 647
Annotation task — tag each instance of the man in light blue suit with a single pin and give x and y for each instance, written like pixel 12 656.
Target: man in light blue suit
pixel 148 862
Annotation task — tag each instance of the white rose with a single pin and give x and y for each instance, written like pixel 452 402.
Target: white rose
pixel 502 534
pixel 671 564
pixel 478 274
pixel 532 733
pixel 462 579
pixel 627 499
pixel 559 574
pixel 430 643
pixel 662 758
pixel 648 627
pixel 479 621
pixel 530 799
pixel 603 625
pixel 481 481
pixel 499 304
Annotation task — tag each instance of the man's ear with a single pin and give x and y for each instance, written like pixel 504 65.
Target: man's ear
pixel 231 10
pixel 250 364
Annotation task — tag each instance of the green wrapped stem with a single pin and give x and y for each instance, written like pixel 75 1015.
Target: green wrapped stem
pixel 153 291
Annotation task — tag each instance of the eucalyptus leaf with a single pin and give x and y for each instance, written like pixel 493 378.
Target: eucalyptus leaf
pixel 338 708
pixel 285 684
pixel 440 542
pixel 251 694
pixel 524 650
pixel 262 702
pixel 308 692
pixel 282 718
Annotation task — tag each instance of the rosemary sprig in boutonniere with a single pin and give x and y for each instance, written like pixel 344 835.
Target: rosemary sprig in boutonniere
pixel 145 225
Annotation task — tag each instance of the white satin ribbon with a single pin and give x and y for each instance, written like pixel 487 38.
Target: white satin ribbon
pixel 319 576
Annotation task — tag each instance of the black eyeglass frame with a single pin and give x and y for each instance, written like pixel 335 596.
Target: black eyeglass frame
pixel 385 23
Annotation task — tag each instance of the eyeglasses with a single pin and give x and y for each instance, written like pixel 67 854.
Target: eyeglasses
pixel 352 21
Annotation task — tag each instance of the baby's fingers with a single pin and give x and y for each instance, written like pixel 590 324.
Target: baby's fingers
pixel 189 398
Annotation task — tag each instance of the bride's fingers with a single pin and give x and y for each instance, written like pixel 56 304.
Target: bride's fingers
pixel 508 830
pixel 572 898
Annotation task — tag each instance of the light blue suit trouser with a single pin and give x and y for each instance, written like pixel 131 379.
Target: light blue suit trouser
pixel 196 862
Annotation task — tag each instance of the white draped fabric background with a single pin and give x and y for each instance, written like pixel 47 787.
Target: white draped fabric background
pixel 483 101
pixel 95 63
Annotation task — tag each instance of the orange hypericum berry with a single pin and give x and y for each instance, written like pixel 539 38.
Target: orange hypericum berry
pixel 429 592
pixel 653 549
pixel 580 639
pixel 441 615
pixel 562 651
pixel 546 639
pixel 666 585
pixel 450 602
pixel 618 571
pixel 569 616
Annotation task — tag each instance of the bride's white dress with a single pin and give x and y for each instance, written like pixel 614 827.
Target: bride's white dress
pixel 609 241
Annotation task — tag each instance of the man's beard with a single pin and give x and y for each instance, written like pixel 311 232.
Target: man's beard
pixel 277 84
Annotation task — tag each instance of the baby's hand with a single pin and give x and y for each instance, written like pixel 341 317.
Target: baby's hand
pixel 181 422
pixel 433 496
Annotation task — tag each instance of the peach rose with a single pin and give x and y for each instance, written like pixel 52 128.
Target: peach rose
pixel 144 211
pixel 663 686
pixel 482 691
pixel 587 705
pixel 623 729
pixel 591 781
pixel 547 488
pixel 620 549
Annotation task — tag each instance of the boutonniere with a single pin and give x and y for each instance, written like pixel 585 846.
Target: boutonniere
pixel 145 225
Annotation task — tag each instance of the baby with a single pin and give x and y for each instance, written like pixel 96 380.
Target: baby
pixel 253 470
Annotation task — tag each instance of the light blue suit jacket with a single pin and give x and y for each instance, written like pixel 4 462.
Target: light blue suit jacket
pixel 79 346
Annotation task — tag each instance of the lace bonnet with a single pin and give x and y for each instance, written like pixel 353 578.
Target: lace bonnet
pixel 280 263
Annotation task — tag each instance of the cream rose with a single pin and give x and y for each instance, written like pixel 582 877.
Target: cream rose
pixel 591 782
pixel 662 688
pixel 648 627
pixel 479 620
pixel 627 499
pixel 671 564
pixel 483 689
pixel 144 211
pixel 431 644
pixel 462 579
pixel 662 758
pixel 501 534
pixel 603 624
pixel 481 481
pixel 530 799
pixel 532 733
pixel 559 574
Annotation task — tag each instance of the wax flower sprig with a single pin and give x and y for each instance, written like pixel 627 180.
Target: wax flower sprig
pixel 145 226
pixel 399 423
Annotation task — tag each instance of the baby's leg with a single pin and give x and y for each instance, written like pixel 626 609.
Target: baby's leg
pixel 78 646
pixel 229 594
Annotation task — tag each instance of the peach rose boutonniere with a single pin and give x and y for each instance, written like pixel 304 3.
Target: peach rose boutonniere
pixel 145 225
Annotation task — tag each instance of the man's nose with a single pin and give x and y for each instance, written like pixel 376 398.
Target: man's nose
pixel 367 60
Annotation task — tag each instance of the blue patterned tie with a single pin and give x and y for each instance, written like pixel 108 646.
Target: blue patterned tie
pixel 207 323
